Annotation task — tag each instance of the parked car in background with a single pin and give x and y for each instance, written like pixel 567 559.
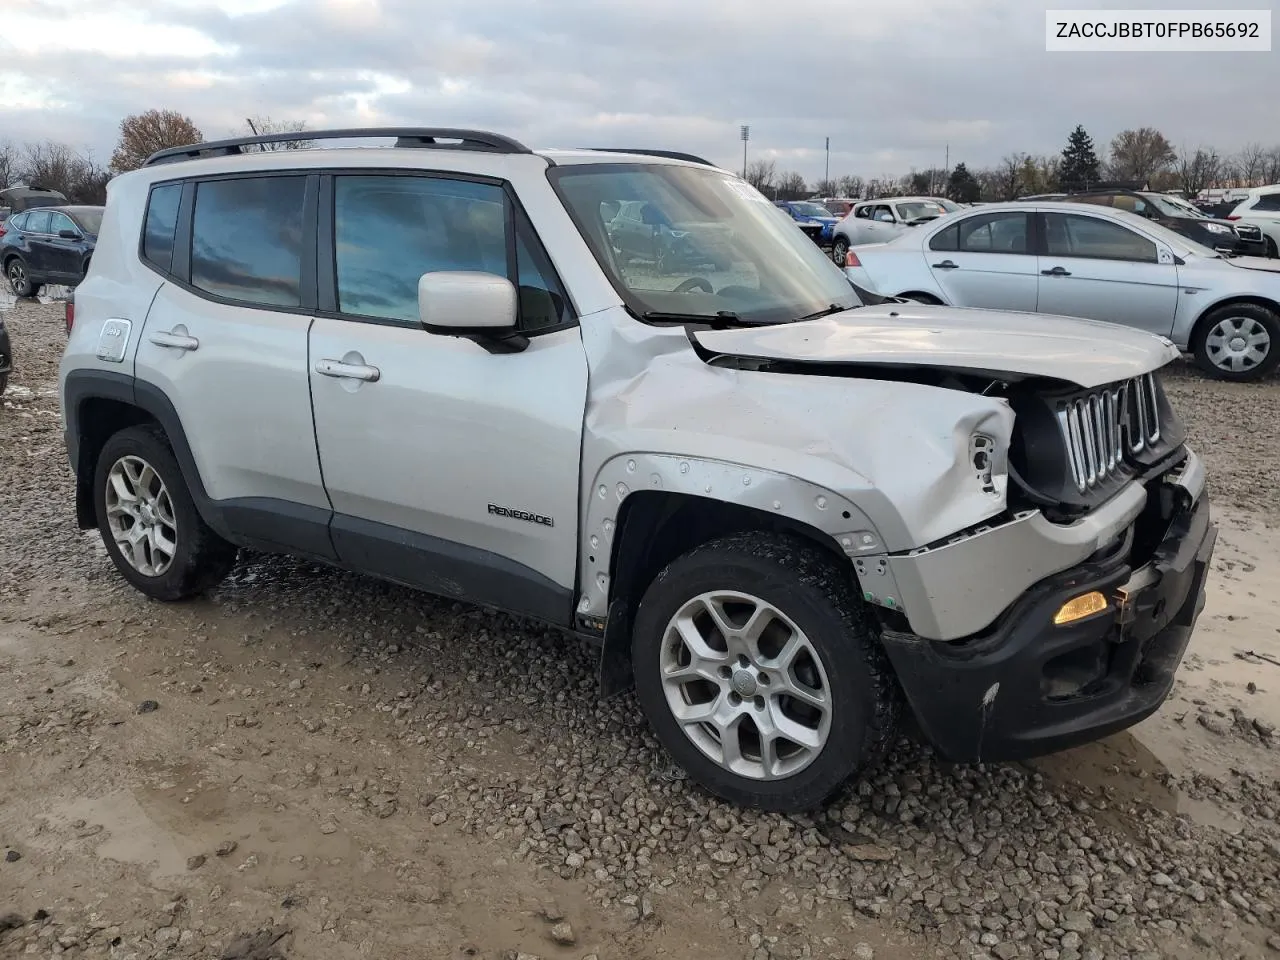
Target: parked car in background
pixel 836 206
pixel 23 197
pixel 875 221
pixel 1089 261
pixel 640 230
pixel 1261 209
pixel 48 245
pixel 815 220
pixel 1243 240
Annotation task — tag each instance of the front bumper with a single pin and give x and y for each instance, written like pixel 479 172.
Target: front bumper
pixel 1027 687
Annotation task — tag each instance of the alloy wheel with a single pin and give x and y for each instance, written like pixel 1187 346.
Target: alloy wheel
pixel 140 516
pixel 746 685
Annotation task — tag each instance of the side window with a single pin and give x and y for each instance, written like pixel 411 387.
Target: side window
pixel 863 213
pixel 159 227
pixel 389 231
pixel 37 222
pixel 883 213
pixel 994 233
pixel 246 240
pixel 59 222
pixel 947 239
pixel 1268 201
pixel 18 220
pixel 1070 235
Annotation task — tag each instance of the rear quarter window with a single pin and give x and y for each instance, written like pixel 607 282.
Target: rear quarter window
pixel 159 226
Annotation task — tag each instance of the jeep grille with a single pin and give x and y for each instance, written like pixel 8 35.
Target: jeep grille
pixel 1101 427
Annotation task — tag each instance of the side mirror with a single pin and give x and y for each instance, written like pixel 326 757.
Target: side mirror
pixel 69 235
pixel 884 217
pixel 466 302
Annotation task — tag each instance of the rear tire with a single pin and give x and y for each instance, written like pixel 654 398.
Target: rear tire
pixel 1272 252
pixel 1238 341
pixel 144 506
pixel 839 250
pixel 818 639
pixel 922 298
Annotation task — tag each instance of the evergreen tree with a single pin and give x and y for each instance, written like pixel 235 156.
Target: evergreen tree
pixel 1079 162
pixel 962 187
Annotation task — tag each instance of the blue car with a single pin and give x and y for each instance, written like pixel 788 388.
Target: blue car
pixel 813 218
pixel 48 245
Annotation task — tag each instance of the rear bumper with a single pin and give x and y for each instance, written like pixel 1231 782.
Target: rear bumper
pixel 1028 687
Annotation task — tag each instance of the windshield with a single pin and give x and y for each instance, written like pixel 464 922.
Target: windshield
pixel 949 205
pixel 806 209
pixel 683 242
pixel 90 221
pixel 921 208
pixel 1173 208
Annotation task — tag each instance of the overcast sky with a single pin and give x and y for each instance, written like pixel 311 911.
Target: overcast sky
pixel 891 82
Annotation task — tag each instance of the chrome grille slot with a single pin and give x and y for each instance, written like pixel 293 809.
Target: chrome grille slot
pixel 1098 427
pixel 1248 231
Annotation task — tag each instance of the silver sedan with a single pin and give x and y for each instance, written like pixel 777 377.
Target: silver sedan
pixel 1080 260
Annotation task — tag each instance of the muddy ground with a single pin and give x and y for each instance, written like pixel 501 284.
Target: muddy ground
pixel 335 768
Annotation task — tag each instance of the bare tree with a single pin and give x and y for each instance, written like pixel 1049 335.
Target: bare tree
pixel 791 186
pixel 825 188
pixel 256 126
pixel 1252 162
pixel 1271 171
pixel 56 166
pixel 1230 174
pixel 1198 170
pixel 850 185
pixel 142 134
pixel 8 165
pixel 761 173
pixel 1008 180
pixel 1138 154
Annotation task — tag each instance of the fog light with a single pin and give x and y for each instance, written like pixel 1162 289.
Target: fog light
pixel 1085 605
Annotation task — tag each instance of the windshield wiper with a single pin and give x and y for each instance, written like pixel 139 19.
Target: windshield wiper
pixel 720 316
pixel 825 312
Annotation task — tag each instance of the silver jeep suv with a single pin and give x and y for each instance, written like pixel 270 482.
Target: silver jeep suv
pixel 783 508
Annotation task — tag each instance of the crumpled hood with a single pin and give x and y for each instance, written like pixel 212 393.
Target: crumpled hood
pixel 997 342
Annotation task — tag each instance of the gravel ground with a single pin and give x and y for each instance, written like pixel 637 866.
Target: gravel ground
pixel 314 764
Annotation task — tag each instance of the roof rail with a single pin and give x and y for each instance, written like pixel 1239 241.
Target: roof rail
pixel 479 140
pixel 669 154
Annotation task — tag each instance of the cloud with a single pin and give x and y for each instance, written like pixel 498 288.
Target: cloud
pixel 893 83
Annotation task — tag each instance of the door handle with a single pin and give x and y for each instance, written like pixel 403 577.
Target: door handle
pixel 1056 272
pixel 178 341
pixel 946 265
pixel 348 371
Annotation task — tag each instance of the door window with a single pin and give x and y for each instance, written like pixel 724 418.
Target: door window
pixel 37 222
pixel 883 214
pixel 59 222
pixel 389 231
pixel 1269 202
pixel 1071 235
pixel 246 240
pixel 986 233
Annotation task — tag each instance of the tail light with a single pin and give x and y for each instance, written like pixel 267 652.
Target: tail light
pixel 1232 216
pixel 70 307
pixel 1 229
pixel 851 260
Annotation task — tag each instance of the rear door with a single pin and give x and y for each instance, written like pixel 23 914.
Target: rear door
pixel 986 260
pixel 225 341
pixel 1096 268
pixel 39 255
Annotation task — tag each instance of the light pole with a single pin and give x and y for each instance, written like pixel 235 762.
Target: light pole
pixel 746 135
pixel 826 167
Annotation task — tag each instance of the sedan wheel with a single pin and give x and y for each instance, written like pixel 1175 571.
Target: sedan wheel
pixel 1239 342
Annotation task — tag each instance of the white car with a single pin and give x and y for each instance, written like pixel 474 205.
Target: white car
pixel 1262 209
pixel 1098 263
pixel 875 221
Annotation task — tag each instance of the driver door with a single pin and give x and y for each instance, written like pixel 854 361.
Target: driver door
pixel 986 260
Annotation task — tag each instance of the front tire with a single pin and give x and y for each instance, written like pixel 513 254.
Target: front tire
pixel 761 671
pixel 1239 341
pixel 149 522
